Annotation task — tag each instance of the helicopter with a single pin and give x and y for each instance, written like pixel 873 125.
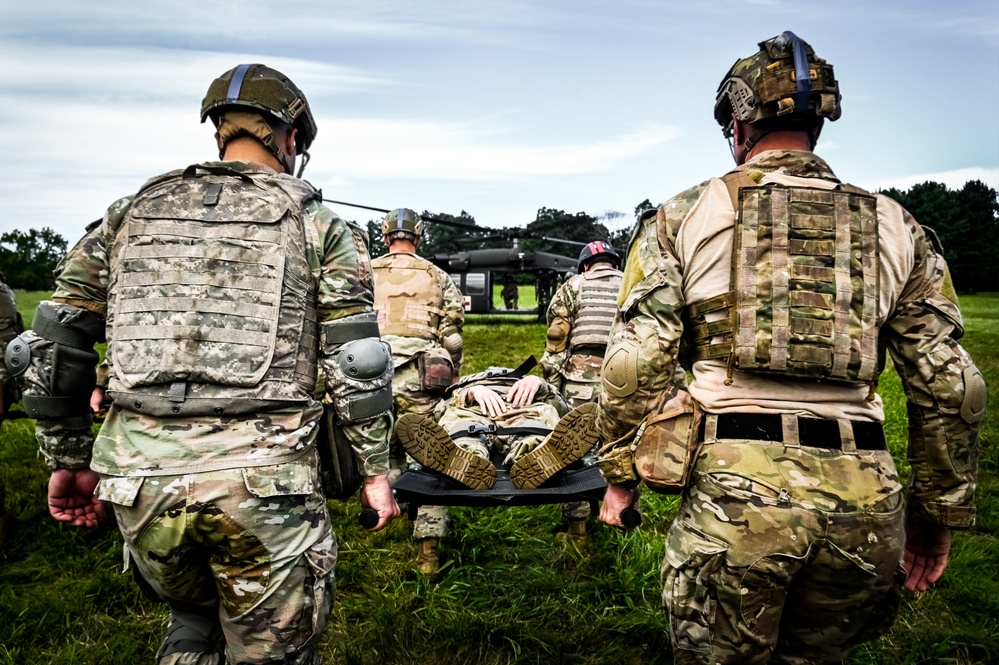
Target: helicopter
pixel 478 272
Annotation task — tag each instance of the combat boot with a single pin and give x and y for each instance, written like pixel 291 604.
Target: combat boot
pixel 573 437
pixel 577 530
pixel 430 445
pixel 428 556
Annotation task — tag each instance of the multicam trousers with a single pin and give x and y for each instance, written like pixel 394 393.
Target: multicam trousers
pixel 256 542
pixel 431 521
pixel 783 554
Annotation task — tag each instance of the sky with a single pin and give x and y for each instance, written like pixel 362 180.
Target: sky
pixel 493 107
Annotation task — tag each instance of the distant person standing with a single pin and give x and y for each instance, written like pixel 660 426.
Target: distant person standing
pixel 580 317
pixel 794 534
pixel 220 288
pixel 11 326
pixel 421 315
pixel 510 292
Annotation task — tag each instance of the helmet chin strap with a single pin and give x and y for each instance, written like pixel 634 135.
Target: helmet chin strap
pixel 301 167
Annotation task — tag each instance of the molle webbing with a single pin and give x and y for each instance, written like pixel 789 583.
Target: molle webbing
pixel 407 297
pixel 214 298
pixel 598 307
pixel 710 339
pixel 805 275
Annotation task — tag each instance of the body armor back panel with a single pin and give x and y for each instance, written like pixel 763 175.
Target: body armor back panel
pixel 408 298
pixel 598 307
pixel 213 301
pixel 805 287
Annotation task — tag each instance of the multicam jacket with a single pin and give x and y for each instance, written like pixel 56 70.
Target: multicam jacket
pixel 138 444
pixel 683 255
pixel 579 321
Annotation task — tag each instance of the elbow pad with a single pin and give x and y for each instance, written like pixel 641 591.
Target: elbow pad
pixel 58 363
pixel 453 344
pixel 359 372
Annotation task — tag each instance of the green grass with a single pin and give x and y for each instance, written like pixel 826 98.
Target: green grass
pixel 513 590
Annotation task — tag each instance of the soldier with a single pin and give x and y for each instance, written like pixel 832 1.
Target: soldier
pixel 11 326
pixel 420 315
pixel 220 288
pixel 789 285
pixel 522 418
pixel 510 292
pixel 579 321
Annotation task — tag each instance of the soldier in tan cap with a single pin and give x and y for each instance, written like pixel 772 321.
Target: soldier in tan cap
pixel 795 535
pixel 420 314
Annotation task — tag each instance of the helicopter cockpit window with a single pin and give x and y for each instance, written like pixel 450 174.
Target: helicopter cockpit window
pixel 475 284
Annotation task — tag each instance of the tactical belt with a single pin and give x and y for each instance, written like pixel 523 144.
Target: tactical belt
pixel 812 432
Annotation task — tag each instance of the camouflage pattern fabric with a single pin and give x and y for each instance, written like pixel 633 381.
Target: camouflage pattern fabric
pixel 758 516
pixel 459 412
pixel 274 581
pixel 756 513
pixel 576 371
pixel 10 327
pixel 407 387
pixel 130 443
pixel 228 507
pixel 510 294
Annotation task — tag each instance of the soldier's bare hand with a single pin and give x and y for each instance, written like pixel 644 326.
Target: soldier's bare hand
pixel 97 402
pixel 616 499
pixel 72 500
pixel 376 493
pixel 524 390
pixel 927 548
pixel 488 400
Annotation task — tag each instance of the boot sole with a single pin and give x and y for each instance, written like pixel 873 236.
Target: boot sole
pixel 573 437
pixel 431 446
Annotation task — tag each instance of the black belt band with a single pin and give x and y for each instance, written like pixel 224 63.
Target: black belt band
pixel 812 432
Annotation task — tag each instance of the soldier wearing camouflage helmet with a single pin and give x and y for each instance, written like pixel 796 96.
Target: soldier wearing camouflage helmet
pixel 221 289
pixel 421 315
pixel 795 535
pixel 579 317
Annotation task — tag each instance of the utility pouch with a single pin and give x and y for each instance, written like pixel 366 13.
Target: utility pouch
pixel 339 474
pixel 666 444
pixel 436 370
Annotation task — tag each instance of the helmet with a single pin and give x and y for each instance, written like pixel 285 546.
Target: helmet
pixel 259 87
pixel 597 251
pixel 783 85
pixel 403 222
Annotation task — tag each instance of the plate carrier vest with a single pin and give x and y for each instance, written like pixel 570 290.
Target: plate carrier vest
pixel 408 298
pixel 805 285
pixel 212 301
pixel 597 308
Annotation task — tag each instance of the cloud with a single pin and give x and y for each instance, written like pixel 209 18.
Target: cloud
pixel 954 179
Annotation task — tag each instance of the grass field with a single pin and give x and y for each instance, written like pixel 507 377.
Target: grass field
pixel 513 590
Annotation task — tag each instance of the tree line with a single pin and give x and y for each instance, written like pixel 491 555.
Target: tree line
pixel 966 221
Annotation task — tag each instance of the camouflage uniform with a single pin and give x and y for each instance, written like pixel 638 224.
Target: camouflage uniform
pixel 782 549
pixel 580 316
pixel 574 353
pixel 10 326
pixel 241 489
pixel 510 294
pixel 445 315
pixel 459 411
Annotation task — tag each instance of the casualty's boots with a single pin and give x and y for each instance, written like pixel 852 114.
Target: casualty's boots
pixel 432 446
pixel 428 556
pixel 573 437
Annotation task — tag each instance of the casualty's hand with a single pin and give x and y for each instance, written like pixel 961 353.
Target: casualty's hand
pixel 523 392
pixel 71 497
pixel 488 400
pixel 376 493
pixel 927 547
pixel 616 499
